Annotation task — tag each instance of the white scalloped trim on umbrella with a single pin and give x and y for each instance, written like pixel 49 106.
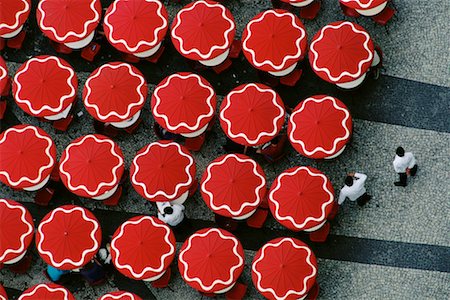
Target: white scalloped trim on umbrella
pixel 244 204
pixel 337 139
pixel 70 33
pixel 282 66
pixel 183 124
pixel 367 4
pixel 41 169
pixel 18 14
pixel 24 235
pixel 178 186
pixel 3 73
pixel 114 181
pixel 45 107
pixel 147 268
pixel 142 42
pixel 345 73
pixel 290 292
pixel 217 281
pixel 44 286
pixel 243 135
pixel 127 115
pixel 122 296
pixel 308 219
pixel 49 254
pixel 224 46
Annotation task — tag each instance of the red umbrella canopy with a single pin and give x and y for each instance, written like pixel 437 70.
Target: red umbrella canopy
pixel 362 4
pixel 3 74
pixel 320 126
pixel 115 92
pixel 45 86
pixel 301 198
pixel 162 171
pixel 120 295
pixel 47 291
pixel 274 40
pixel 211 260
pixel 27 156
pixel 341 52
pixel 66 21
pixel 284 268
pixel 252 114
pixel 14 14
pixel 183 102
pixel 143 247
pixel 3 295
pixel 203 30
pixel 233 185
pixel 68 237
pixel 135 26
pixel 17 229
pixel 91 165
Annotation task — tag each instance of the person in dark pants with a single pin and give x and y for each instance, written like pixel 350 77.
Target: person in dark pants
pixel 354 189
pixel 404 164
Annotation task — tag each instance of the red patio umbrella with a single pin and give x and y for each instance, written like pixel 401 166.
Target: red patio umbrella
pixel 67 21
pixel 252 114
pixel 362 4
pixel 137 26
pixel 68 237
pixel 284 268
pixel 3 295
pixel 13 16
pixel 274 40
pixel 3 75
pixel 233 185
pixel 17 229
pixel 183 103
pixel 341 52
pixel 47 291
pixel 301 198
pixel 120 295
pixel 91 166
pixel 320 127
pixel 162 171
pixel 211 260
pixel 115 92
pixel 143 247
pixel 203 30
pixel 27 156
pixel 45 86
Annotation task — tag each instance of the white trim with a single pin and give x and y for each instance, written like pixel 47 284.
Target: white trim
pixel 149 52
pixel 17 259
pixel 121 295
pixel 226 289
pixel 150 279
pixel 216 60
pixel 3 70
pixel 17 21
pixel 60 115
pixel 301 3
pixel 82 43
pixel 180 200
pixel 285 71
pixel 352 84
pixel 366 5
pixel 107 194
pixel 372 11
pixel 12 34
pixel 337 153
pixel 127 123
pixel 59 288
pixel 195 133
pixel 38 186
pixel 246 216
pixel 315 228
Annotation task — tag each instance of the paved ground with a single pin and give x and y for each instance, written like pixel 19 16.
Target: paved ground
pixel 397 246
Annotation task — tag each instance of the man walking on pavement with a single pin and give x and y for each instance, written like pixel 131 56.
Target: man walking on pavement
pixel 354 189
pixel 404 165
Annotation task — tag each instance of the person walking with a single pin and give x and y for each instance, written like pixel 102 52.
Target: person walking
pixel 404 164
pixel 354 189
pixel 171 214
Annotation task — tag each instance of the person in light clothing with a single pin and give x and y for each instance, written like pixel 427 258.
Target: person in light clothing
pixel 171 214
pixel 354 189
pixel 404 164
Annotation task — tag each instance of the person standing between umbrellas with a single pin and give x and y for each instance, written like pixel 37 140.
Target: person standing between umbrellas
pixel 354 189
pixel 171 214
pixel 404 164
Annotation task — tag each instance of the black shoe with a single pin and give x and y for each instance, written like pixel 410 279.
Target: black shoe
pixel 398 183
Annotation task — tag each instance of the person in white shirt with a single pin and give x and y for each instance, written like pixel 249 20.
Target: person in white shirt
pixel 404 164
pixel 171 214
pixel 354 189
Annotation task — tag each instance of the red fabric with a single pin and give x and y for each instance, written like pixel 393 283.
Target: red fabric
pixel 293 1
pixel 211 259
pixel 362 4
pixel 252 114
pixel 45 86
pixel 47 291
pixel 320 126
pixel 385 16
pixel 66 21
pixel 320 235
pixel 120 295
pixel 3 294
pixel 115 92
pixel 143 247
pixel 233 185
pixel 203 30
pixel 17 229
pixel 135 26
pixel 162 171
pixel 341 52
pixel 14 14
pixel 274 40
pixel 284 268
pixel 3 76
pixel 27 156
pixel 91 165
pixel 68 237
pixel 183 103
pixel 301 198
